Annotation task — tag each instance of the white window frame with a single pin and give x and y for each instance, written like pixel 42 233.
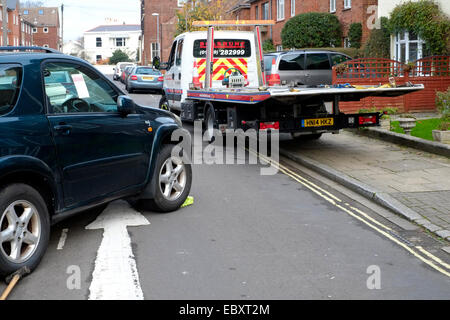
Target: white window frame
pixel 279 48
pixel 280 10
pixel 347 4
pixel 347 43
pixel 123 42
pixel 155 50
pixel 332 6
pixel 269 14
pixel 292 8
pixel 45 46
pixel 398 45
pixel 45 30
pixel 34 30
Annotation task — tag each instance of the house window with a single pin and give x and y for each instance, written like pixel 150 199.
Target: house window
pixel 45 46
pixel 408 47
pixel 25 12
pixel 45 30
pixel 332 5
pixel 98 42
pixel 347 43
pixel 34 30
pixel 98 58
pixel 292 8
pixel 265 11
pixel 41 12
pixel 279 48
pixel 155 50
pixel 120 42
pixel 256 12
pixel 347 4
pixel 181 3
pixel 280 9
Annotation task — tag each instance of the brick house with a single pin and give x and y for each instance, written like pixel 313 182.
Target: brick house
pixel 26 33
pixel 13 20
pixel 347 11
pixel 166 11
pixel 46 31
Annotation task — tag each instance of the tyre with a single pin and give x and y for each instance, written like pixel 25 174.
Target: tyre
pixel 164 103
pixel 172 182
pixel 210 124
pixel 24 228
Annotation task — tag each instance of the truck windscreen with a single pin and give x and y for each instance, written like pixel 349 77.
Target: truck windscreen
pixel 234 48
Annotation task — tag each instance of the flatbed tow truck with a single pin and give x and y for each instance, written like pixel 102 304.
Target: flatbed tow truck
pixel 233 100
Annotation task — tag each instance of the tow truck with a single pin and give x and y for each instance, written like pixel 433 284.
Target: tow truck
pixel 218 77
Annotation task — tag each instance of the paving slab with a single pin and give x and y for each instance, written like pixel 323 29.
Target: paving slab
pixel 410 182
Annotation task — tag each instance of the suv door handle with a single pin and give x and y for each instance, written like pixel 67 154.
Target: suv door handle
pixel 63 129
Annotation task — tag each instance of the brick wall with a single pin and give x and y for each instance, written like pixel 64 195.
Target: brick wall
pixel 167 19
pixel 51 38
pixel 357 13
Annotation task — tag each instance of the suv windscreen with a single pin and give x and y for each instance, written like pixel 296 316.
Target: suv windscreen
pixel 317 61
pixel 10 81
pixel 292 62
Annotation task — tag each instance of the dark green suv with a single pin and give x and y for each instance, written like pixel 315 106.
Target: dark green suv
pixel 70 141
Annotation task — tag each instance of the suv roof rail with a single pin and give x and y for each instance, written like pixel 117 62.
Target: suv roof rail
pixel 27 48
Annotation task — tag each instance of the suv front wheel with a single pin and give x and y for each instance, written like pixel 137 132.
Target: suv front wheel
pixel 172 182
pixel 24 228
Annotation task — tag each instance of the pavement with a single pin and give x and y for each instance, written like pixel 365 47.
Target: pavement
pixel 412 183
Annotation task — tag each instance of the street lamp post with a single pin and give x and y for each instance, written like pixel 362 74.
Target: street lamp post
pixel 157 32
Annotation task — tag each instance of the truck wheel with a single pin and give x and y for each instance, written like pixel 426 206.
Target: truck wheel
pixel 24 228
pixel 163 103
pixel 210 124
pixel 172 179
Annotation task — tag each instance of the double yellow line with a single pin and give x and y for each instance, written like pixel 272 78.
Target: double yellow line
pixel 418 251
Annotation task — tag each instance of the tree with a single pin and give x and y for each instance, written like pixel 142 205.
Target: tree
pixel 379 43
pixel 119 56
pixel 268 45
pixel 426 19
pixel 197 10
pixel 355 35
pixel 312 29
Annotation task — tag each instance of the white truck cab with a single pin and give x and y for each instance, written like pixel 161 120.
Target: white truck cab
pixel 232 50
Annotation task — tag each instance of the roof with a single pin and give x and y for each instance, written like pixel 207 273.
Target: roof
pixel 239 5
pixel 49 18
pixel 115 28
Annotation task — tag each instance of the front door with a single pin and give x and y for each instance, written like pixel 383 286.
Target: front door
pixel 99 151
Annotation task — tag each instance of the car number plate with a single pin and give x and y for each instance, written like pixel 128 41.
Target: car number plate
pixel 322 122
pixel 147 78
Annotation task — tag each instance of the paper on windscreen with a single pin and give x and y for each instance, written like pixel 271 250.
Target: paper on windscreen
pixel 80 86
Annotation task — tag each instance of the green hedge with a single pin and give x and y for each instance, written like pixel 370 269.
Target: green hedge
pixel 312 29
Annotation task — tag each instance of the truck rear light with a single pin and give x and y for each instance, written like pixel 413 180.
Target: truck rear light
pixel 161 79
pixel 367 120
pixel 133 77
pixel 269 125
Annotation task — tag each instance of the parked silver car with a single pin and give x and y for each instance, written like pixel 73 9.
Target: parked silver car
pixel 144 78
pixel 303 67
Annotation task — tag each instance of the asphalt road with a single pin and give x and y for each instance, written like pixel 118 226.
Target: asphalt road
pixel 249 236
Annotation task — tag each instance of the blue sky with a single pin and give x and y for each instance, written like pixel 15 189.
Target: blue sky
pixel 82 15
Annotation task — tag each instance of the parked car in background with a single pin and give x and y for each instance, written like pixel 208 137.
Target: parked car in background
pixel 303 67
pixel 144 78
pixel 118 69
pixel 71 141
pixel 126 73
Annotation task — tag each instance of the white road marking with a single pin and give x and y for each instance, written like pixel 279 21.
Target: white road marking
pixel 115 276
pixel 62 239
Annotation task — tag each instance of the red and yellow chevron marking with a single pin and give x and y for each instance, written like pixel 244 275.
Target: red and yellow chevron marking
pixel 221 65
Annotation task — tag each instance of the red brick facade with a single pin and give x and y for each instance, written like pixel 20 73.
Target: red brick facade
pixel 13 27
pixel 167 25
pixel 357 13
pixel 46 23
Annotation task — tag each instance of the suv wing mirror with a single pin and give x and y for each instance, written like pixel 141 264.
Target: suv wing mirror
pixel 125 105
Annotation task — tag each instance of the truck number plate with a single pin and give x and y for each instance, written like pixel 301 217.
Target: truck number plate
pixel 323 122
